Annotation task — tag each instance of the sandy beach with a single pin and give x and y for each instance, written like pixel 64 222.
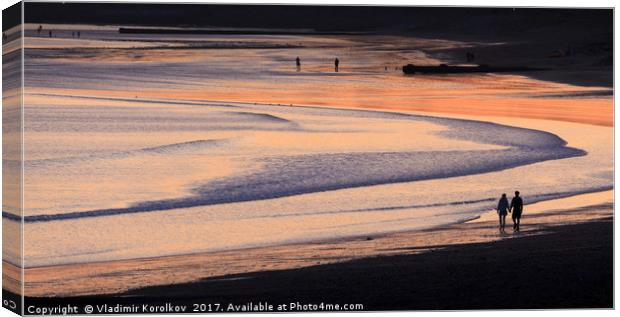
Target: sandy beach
pixel 233 178
pixel 567 241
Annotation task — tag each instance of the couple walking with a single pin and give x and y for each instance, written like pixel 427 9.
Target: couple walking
pixel 515 207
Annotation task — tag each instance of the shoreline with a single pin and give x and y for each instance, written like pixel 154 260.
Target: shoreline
pixel 482 268
pixel 435 279
pixel 584 208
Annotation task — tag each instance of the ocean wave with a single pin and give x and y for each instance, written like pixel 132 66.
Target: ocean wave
pixel 205 103
pixel 174 148
pixel 309 174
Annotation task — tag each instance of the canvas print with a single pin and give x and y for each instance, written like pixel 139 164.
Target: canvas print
pixel 197 158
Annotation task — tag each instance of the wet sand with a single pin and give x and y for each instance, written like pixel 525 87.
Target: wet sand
pixel 567 267
pixel 93 278
pixel 572 88
pixel 562 258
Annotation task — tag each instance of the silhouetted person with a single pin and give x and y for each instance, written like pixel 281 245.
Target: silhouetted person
pixel 298 63
pixel 78 34
pixel 502 211
pixel 470 57
pixel 516 207
pixel 50 33
pixel 336 63
pixel 39 29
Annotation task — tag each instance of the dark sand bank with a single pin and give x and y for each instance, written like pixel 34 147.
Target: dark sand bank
pixel 573 47
pixel 567 266
pixel 579 61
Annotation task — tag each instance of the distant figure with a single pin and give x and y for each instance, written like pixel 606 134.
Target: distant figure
pixel 516 207
pixel 502 211
pixel 78 33
pixel 50 33
pixel 39 29
pixel 386 68
pixel 336 63
pixel 470 57
pixel 298 63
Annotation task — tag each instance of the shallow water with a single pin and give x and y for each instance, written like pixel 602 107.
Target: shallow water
pixel 144 146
